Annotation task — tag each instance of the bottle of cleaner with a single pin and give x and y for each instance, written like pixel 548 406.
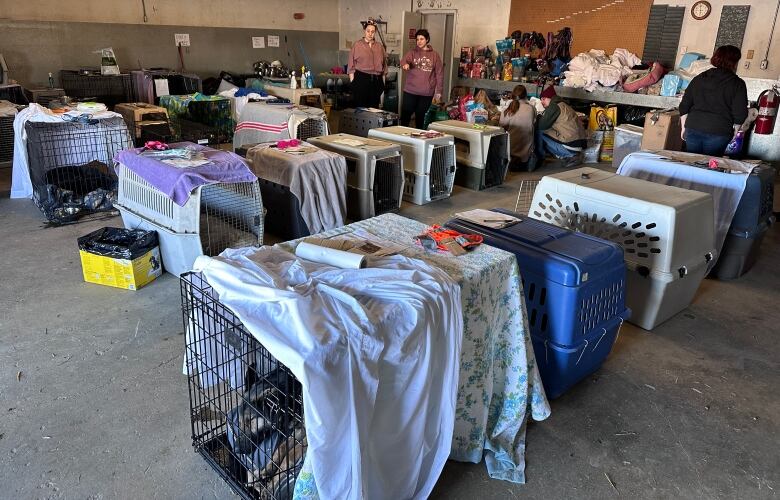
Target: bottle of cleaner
pixel 293 81
pixel 51 81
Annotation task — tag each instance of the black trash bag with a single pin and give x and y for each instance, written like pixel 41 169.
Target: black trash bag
pixel 118 242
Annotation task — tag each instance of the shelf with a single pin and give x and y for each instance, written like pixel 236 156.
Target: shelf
pixel 647 101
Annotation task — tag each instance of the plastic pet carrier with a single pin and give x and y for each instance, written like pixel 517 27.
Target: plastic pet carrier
pixel 246 408
pixel 70 166
pixel 429 162
pixel 305 97
pixel 139 115
pixel 749 226
pixel 375 175
pixel 740 241
pixel 108 89
pixel 43 95
pixel 667 233
pixel 574 286
pixel 358 121
pixel 482 152
pixel 216 217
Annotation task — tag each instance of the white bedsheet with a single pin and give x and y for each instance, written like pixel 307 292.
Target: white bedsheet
pixel 377 351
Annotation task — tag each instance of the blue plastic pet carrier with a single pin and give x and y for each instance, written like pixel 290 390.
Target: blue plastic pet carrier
pixel 574 286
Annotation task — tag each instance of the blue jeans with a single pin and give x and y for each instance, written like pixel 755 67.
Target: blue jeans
pixel 546 144
pixel 707 144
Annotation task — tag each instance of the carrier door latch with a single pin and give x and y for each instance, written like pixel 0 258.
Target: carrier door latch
pixel 683 271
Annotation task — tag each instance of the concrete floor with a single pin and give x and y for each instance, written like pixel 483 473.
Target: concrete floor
pixel 93 403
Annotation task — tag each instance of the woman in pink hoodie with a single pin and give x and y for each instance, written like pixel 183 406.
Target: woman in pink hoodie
pixel 424 80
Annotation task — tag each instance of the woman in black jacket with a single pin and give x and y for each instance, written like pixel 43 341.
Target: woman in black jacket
pixel 714 105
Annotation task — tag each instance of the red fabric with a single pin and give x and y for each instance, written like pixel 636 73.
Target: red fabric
pixel 549 92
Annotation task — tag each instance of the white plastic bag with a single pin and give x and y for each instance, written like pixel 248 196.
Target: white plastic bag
pixel 108 64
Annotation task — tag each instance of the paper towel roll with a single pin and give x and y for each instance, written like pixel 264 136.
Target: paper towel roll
pixel 330 256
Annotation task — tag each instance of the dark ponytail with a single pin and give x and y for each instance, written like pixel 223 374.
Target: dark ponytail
pixel 519 93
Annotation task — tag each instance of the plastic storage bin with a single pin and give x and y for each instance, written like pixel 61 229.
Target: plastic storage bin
pixel 216 217
pixel 482 152
pixel 628 138
pixel 358 121
pixel 246 408
pixel 574 286
pixel 375 175
pixel 667 233
pixel 429 162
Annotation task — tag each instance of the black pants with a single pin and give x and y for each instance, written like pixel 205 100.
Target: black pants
pixel 367 90
pixel 417 104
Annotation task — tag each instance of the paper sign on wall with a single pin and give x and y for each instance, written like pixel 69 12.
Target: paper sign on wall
pixel 258 42
pixel 273 40
pixel 182 39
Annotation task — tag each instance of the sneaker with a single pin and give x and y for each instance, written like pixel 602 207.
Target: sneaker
pixel 573 161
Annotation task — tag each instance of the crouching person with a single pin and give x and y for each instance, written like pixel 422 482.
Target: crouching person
pixel 559 130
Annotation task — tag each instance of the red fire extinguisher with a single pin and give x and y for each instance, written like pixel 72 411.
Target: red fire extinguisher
pixel 768 102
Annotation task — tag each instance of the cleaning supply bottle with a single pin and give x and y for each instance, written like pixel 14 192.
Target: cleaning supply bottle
pixel 51 81
pixel 293 81
pixel 303 77
pixel 309 79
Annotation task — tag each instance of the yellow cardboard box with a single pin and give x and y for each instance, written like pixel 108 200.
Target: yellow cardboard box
pixel 113 270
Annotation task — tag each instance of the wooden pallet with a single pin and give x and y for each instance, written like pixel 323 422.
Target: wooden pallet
pixel 138 114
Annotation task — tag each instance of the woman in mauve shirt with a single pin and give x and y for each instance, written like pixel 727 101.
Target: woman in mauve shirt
pixel 367 69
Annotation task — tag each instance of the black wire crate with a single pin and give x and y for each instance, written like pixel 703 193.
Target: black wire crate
pixel 70 166
pixel 246 408
pixel 108 89
pixel 6 140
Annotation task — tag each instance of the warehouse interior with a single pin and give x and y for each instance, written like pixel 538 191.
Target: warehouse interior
pixel 148 388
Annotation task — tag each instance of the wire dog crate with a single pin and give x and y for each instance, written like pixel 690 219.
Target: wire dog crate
pixel 7 134
pixel 246 408
pixel 429 162
pixel 43 95
pixel 306 97
pixel 358 121
pixel 375 179
pixel 667 233
pixel 69 166
pixel 108 89
pixel 145 87
pixel 482 152
pixel 207 117
pixel 216 217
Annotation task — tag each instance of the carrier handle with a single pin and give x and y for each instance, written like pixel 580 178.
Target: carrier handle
pixel 583 352
pixel 600 338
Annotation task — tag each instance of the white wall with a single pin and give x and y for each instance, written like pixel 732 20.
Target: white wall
pixel 699 36
pixel 319 15
pixel 478 22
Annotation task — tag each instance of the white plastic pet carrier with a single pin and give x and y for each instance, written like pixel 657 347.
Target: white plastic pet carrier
pixel 666 233
pixel 216 217
pixel 307 97
pixel 429 162
pixel 482 152
pixel 375 176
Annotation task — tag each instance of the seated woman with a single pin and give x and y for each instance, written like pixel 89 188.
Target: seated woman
pixel 518 120
pixel 559 130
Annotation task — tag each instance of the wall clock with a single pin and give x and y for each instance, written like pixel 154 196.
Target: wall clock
pixel 701 10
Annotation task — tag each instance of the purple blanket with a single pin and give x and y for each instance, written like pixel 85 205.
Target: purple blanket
pixel 178 183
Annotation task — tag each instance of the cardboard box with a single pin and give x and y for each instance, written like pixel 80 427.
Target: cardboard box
pixel 662 131
pixel 128 266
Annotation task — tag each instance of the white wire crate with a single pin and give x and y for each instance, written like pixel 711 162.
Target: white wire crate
pixel 666 233
pixel 375 175
pixel 482 152
pixel 216 217
pixel 420 153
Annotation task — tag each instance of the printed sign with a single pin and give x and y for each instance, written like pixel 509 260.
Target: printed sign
pixel 273 40
pixel 258 42
pixel 182 39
